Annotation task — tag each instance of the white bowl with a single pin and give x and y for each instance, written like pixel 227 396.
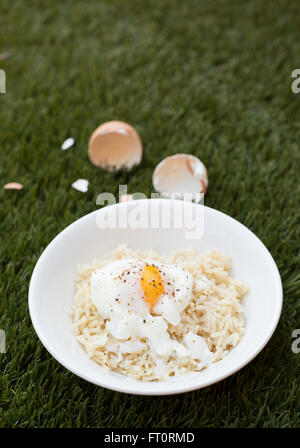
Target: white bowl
pixel 51 291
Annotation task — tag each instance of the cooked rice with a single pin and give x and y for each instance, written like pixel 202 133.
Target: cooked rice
pixel 217 315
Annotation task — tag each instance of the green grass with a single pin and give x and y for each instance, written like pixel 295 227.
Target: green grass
pixel 209 78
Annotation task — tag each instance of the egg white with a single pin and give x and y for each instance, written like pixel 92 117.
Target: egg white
pixel 117 293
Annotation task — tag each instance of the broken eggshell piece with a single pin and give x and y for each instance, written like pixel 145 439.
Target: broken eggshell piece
pixel 13 186
pixel 115 145
pixel 181 176
pixel 81 185
pixel 67 143
pixel 126 198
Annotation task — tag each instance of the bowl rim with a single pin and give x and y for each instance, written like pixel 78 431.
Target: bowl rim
pixel 132 389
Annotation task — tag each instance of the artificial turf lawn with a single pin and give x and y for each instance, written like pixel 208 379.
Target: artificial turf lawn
pixel 209 78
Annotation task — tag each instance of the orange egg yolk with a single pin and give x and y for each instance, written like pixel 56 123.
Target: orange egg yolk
pixel 152 285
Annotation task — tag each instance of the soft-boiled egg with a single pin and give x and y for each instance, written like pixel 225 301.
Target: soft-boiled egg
pixel 139 298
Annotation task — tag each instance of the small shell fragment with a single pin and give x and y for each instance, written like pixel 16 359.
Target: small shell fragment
pixel 115 145
pixel 81 185
pixel 67 143
pixel 13 186
pixel 181 176
pixel 126 198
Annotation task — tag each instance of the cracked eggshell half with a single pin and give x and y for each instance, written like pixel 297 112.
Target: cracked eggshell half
pixel 115 145
pixel 181 176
